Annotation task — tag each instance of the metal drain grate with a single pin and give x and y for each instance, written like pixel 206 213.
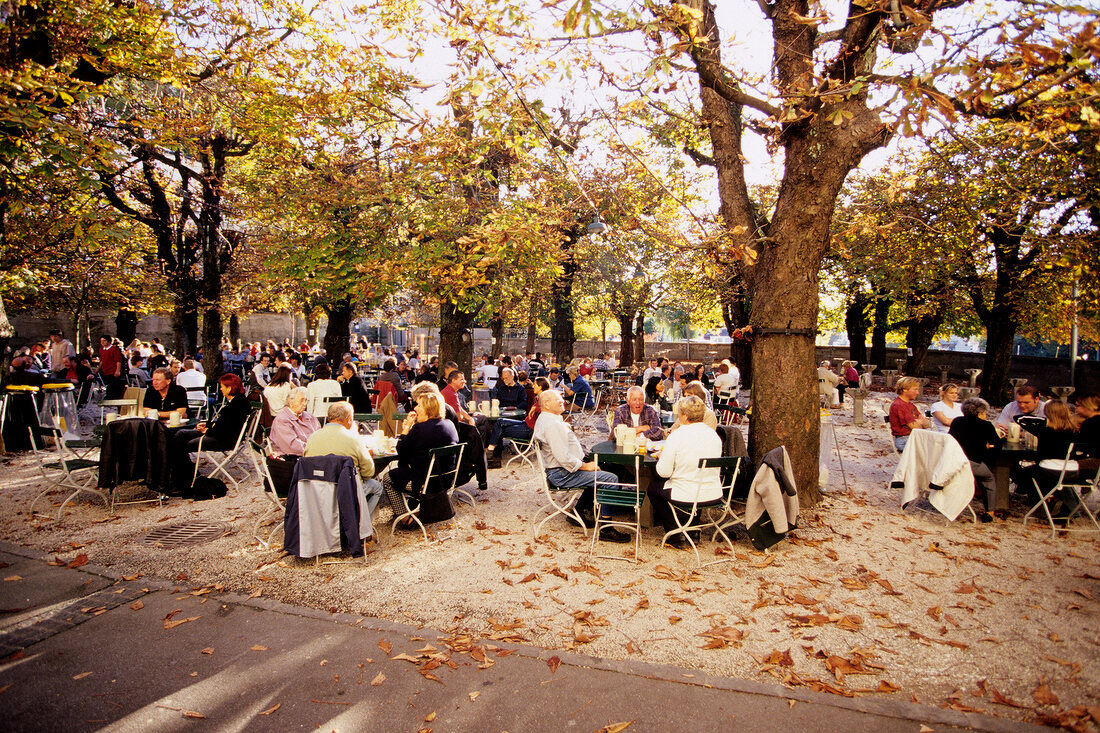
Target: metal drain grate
pixel 188 533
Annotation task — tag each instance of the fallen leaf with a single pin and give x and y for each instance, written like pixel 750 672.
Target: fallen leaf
pixel 430 717
pixel 4 689
pixel 1043 695
pixel 137 606
pixel 135 576
pixel 272 709
pixel 378 679
pixel 616 727
pixel 259 648
pixel 13 578
pixel 79 560
pixel 884 686
pixel 675 619
pixel 474 695
pixel 192 714
pixel 81 676
pixel 208 650
pixel 553 663
pixel 256 593
pixel 179 622
pixel 385 646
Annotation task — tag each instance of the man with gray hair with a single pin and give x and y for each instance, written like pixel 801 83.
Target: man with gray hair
pixel 294 424
pixel 508 391
pixel 637 414
pixel 339 438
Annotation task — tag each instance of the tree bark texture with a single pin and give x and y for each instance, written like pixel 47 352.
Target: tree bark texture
pixel 562 333
pixel 639 337
pixel 879 330
pixel 496 325
pixel 735 314
pixel 456 342
pixel 1000 332
pixel 626 338
pixel 338 333
pixel 857 323
pixel 235 328
pixel 918 337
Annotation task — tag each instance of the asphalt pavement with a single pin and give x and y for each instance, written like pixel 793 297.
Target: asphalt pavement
pixel 84 650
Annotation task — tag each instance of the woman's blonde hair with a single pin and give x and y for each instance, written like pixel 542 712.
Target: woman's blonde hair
pixel 691 409
pixel 431 403
pixel 1057 414
pixel 948 388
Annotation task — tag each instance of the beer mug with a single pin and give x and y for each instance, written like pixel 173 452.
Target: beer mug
pixel 1013 433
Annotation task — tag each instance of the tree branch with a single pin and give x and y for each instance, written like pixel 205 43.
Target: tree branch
pixel 699 158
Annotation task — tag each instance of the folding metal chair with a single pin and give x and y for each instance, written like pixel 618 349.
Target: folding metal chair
pixel 624 496
pixel 260 455
pixel 197 401
pixel 228 454
pixel 523 448
pixel 717 514
pixel 728 413
pixel 438 475
pixel 68 472
pixel 558 500
pixel 1079 489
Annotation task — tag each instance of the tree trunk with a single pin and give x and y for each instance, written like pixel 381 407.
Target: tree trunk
pixel 531 333
pixel 338 333
pixel 639 337
pixel 561 294
pixel 456 338
pixel 126 324
pixel 879 331
pixel 999 334
pixel 212 363
pixel 312 324
pixel 735 314
pixel 234 328
pixel 496 325
pixel 856 323
pixel 918 338
pixel 6 333
pixel 626 343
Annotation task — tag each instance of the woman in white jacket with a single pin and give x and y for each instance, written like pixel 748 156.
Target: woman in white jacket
pixel 679 477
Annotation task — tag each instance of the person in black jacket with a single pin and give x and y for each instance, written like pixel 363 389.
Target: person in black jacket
pixel 220 434
pixel 352 387
pixel 425 428
pixel 1055 437
pixel 978 439
pixel 164 395
pixel 509 392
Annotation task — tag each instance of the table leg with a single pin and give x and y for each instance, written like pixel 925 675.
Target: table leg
pixel 1001 473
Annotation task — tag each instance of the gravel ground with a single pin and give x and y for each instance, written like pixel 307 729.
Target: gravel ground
pixel 863 599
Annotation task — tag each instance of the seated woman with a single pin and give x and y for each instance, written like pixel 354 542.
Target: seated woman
pixel 425 428
pixel 289 432
pixel 946 409
pixel 978 438
pixel 1086 416
pixel 221 433
pixel 694 389
pixel 699 372
pixel 679 477
pixel 353 388
pixel 1055 437
pixel 277 390
pixel 520 429
pixel 851 376
pixel 323 385
pixel 655 394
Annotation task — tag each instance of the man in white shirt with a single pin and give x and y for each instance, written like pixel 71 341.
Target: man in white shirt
pixel 654 370
pixel 728 378
pixel 60 349
pixel 487 373
pixel 827 381
pixel 1027 404
pixel 564 460
pixel 262 371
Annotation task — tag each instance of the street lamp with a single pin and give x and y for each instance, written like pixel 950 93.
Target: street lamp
pixel 597 226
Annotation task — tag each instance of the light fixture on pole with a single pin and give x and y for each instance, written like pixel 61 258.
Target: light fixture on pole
pixel 597 226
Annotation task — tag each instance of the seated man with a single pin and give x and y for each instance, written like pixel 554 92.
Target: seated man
pixel 164 396
pixel 680 478
pixel 456 382
pixel 338 438
pixel 138 377
pixel 726 380
pixel 638 415
pixel 391 375
pixel 578 391
pixel 509 392
pixel 519 429
pixel 1027 404
pixel 487 373
pixel 829 384
pixel 190 378
pixel 554 378
pixel 565 465
pixel 261 372
pixel 905 417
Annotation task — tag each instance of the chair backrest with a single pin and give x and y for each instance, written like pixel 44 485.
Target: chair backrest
pixel 725 413
pixel 730 467
pixel 619 493
pixel 443 466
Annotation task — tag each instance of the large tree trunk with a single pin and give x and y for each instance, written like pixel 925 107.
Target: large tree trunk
pixel 735 314
pixel 338 333
pixel 561 294
pixel 626 342
pixel 456 338
pixel 126 323
pixel 496 325
pixel 879 331
pixel 531 333
pixel 856 323
pixel 918 338
pixel 999 334
pixel 639 337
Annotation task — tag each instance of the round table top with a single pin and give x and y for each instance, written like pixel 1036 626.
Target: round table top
pixel 609 447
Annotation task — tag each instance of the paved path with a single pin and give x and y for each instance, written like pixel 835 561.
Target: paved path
pixel 84 651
